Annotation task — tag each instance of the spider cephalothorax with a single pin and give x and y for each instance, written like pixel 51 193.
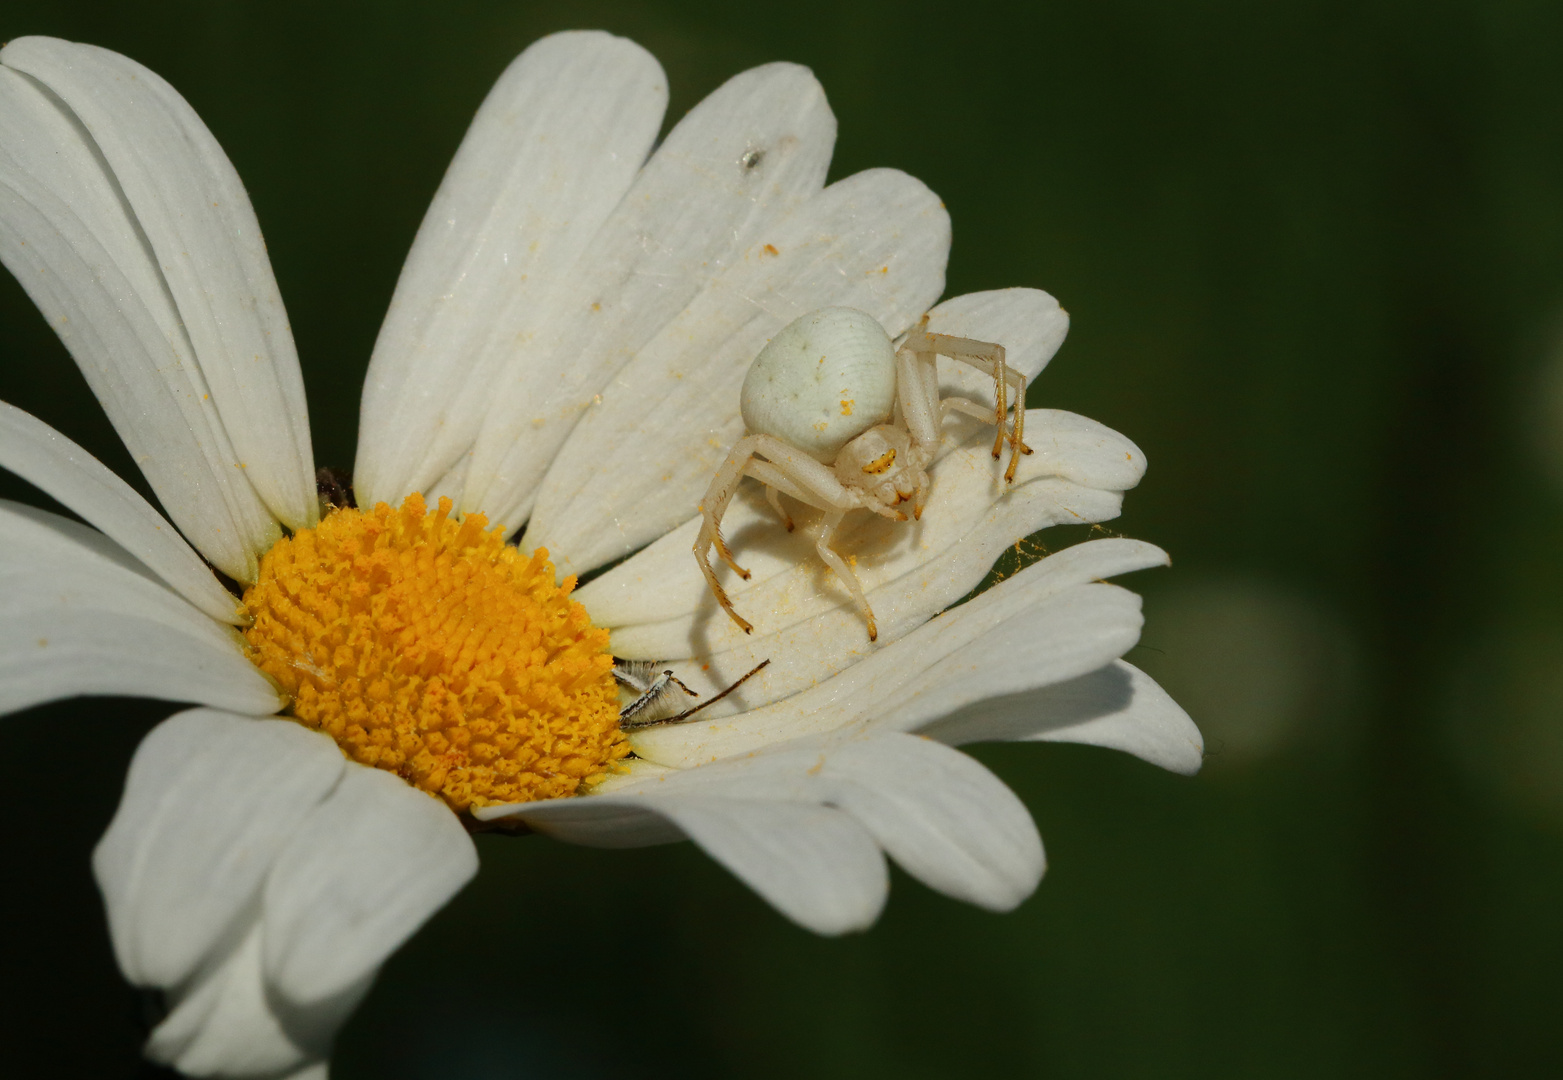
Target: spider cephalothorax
pixel 841 419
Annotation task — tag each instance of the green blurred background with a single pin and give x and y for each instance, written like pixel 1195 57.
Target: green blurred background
pixel 1314 256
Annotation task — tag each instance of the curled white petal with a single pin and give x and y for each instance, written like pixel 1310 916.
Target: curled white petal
pixel 73 244
pixel 37 453
pixel 1117 706
pixel 83 617
pixel 191 210
pixel 814 864
pixel 549 155
pixel 225 1023
pixel 210 799
pixel 943 817
pixel 1082 450
pixel 1078 630
pixel 605 823
pixel 365 869
pixel 806 625
pixel 1058 625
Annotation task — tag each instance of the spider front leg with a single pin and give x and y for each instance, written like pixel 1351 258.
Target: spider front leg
pixel 971 408
pixel 777 465
pixel 987 357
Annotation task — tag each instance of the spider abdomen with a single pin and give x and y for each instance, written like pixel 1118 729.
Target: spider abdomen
pixel 826 378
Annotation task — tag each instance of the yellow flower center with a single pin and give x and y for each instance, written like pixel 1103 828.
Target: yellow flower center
pixel 430 648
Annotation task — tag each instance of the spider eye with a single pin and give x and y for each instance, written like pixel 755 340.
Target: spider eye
pixel 880 463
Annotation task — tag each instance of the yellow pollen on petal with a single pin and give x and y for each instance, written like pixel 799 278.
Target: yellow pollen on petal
pixel 431 648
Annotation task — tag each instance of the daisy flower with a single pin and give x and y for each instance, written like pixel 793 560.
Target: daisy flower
pixel 563 351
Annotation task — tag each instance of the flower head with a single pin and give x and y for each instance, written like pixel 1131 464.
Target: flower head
pixel 564 351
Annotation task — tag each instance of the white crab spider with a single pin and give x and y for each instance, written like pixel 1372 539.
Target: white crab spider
pixel 841 419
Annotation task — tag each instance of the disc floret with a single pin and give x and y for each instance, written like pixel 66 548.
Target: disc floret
pixel 429 647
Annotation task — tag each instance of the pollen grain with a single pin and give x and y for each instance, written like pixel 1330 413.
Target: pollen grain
pixel 428 647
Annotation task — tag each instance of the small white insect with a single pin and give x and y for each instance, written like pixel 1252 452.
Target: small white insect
pixel 840 419
pixel 653 690
pixel 654 693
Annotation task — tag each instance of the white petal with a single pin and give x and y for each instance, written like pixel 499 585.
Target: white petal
pixel 82 617
pixel 450 485
pixel 365 870
pixel 550 153
pixel 741 158
pixel 1027 322
pixel 1043 625
pixel 1118 706
pixel 815 865
pixel 67 236
pixel 1078 631
pixel 193 211
pixel 37 453
pixel 940 814
pixel 596 822
pixel 1079 449
pixel 805 622
pixel 225 1024
pixel 210 800
pixel 658 606
pixel 636 466
pixel 945 818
